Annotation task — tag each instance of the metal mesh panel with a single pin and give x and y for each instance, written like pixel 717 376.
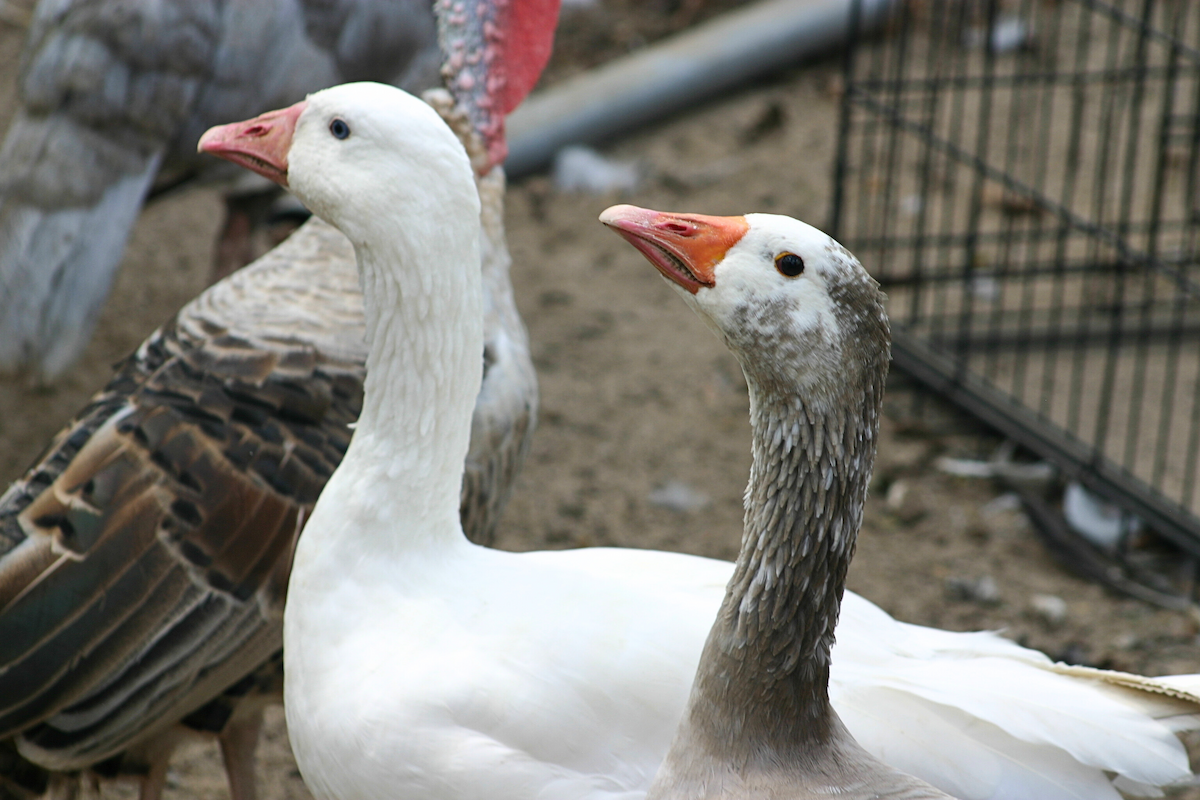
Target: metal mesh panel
pixel 1023 178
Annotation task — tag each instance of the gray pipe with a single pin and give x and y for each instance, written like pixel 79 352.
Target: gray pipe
pixel 675 73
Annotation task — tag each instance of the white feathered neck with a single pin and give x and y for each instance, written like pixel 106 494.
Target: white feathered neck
pixel 419 265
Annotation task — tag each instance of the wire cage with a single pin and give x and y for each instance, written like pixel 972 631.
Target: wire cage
pixel 1023 176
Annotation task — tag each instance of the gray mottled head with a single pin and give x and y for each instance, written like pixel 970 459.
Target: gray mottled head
pixel 797 309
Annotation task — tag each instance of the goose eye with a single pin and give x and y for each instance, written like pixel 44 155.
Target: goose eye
pixel 339 129
pixel 789 264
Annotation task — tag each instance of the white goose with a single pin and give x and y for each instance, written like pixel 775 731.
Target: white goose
pixel 420 665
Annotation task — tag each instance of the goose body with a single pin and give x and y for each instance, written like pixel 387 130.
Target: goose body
pixel 419 665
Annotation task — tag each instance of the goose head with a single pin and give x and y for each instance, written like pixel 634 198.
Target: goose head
pixel 794 306
pixel 355 154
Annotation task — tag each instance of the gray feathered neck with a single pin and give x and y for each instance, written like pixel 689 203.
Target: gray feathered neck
pixel 815 400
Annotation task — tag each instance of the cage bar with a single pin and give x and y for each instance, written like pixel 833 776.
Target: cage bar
pixel 1023 177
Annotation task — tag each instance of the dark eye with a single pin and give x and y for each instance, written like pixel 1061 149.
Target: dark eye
pixel 339 129
pixel 789 264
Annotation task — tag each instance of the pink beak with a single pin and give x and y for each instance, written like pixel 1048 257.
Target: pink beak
pixel 260 144
pixel 685 248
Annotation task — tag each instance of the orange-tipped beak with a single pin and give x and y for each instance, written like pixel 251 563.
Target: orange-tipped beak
pixel 685 248
pixel 260 144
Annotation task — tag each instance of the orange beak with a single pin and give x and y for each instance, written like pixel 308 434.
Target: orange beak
pixel 685 248
pixel 260 144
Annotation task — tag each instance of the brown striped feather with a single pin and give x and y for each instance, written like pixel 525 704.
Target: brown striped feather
pixel 154 554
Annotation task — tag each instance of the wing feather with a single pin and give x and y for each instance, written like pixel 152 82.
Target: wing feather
pixel 148 547
pixel 144 557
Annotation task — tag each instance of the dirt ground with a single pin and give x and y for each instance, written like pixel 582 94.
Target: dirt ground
pixel 637 395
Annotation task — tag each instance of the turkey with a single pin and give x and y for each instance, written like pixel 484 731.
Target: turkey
pixel 114 95
pixel 144 556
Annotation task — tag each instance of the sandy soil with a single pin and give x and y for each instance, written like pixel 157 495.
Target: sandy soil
pixel 637 395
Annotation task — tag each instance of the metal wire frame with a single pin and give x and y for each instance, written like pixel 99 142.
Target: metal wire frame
pixel 1024 178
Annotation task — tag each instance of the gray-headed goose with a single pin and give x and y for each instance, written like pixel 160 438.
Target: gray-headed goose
pixel 420 665
pixel 808 325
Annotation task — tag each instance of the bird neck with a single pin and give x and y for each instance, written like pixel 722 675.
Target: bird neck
pixel 763 684
pixel 423 306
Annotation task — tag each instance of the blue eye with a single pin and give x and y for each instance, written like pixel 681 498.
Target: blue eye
pixel 339 129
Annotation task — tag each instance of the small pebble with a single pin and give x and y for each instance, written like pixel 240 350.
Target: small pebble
pixel 982 590
pixel 902 503
pixel 679 496
pixel 1125 641
pixel 1051 608
pixel 1009 501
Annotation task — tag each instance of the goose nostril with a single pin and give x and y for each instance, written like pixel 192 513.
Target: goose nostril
pixel 678 227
